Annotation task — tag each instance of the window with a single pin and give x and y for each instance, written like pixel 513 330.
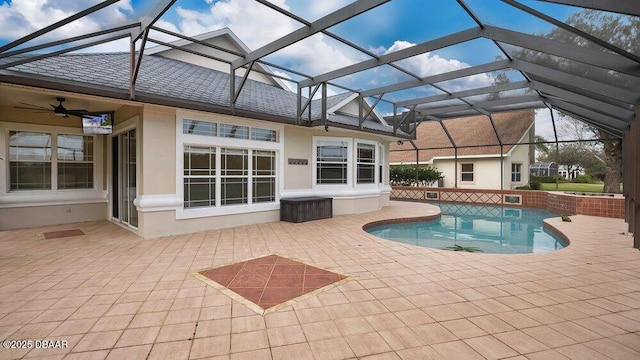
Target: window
pixel 466 173
pixel 30 160
pixel 516 172
pixel 207 128
pixel 201 173
pixel 264 135
pixel 196 127
pixel 75 162
pixel 234 180
pixel 332 162
pixel 366 164
pixel 42 161
pixel 199 176
pixel 234 131
pixel 264 176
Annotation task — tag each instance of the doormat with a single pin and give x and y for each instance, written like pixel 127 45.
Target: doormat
pixel 62 234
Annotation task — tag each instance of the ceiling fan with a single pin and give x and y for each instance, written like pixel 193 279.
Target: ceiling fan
pixel 58 110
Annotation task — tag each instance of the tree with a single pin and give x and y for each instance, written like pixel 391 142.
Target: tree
pixel 604 155
pixel 619 30
pixel 542 149
pixel 577 157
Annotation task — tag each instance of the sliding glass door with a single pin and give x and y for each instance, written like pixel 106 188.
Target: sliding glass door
pixel 124 178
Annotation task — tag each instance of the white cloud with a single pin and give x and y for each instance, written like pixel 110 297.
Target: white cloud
pixel 428 64
pixel 22 17
pixel 257 26
pixel 254 23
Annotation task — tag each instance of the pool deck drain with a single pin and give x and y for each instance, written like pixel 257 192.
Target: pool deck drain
pixel 269 283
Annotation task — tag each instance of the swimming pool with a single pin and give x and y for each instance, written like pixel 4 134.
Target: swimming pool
pixel 489 229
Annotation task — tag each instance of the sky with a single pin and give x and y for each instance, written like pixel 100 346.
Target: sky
pixel 393 26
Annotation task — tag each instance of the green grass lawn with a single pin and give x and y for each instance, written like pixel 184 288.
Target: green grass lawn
pixel 597 187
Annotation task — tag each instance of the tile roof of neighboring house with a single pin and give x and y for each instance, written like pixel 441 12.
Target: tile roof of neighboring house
pixel 172 82
pixel 465 131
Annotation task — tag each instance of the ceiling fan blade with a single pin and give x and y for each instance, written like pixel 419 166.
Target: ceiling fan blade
pixel 78 113
pixel 31 106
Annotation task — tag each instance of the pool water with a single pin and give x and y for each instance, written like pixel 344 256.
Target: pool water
pixel 489 229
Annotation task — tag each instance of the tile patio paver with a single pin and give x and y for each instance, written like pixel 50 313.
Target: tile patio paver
pixel 113 295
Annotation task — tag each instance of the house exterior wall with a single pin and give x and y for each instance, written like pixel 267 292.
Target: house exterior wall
pixel 297 145
pixel 486 173
pixel 20 209
pixel 160 196
pixel 520 155
pixel 487 169
pixel 159 190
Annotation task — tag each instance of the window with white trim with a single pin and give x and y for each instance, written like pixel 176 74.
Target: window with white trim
pixel 466 172
pixel 199 176
pixel 47 161
pixel 365 163
pixel 212 129
pixel 516 172
pixel 75 161
pixel 234 131
pixel 264 176
pixel 332 162
pixel 236 168
pixel 196 127
pixel 202 173
pixel 264 135
pixel 234 176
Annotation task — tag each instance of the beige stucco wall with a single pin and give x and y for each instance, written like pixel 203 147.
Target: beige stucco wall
pixel 298 145
pixel 487 170
pixel 23 217
pixel 158 142
pixel 157 195
pixel 159 180
pixel 520 154
pixel 163 223
pixel 21 209
pixel 447 168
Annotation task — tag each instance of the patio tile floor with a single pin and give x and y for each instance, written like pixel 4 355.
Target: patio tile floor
pixel 110 294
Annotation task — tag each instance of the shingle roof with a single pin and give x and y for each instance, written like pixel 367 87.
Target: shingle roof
pixel 179 81
pixel 465 131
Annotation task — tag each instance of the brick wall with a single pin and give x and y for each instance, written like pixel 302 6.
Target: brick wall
pixel 557 203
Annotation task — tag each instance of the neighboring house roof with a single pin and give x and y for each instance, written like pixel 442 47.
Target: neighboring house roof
pixel 465 131
pixel 171 82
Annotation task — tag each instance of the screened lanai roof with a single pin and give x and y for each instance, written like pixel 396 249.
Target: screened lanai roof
pixel 413 60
